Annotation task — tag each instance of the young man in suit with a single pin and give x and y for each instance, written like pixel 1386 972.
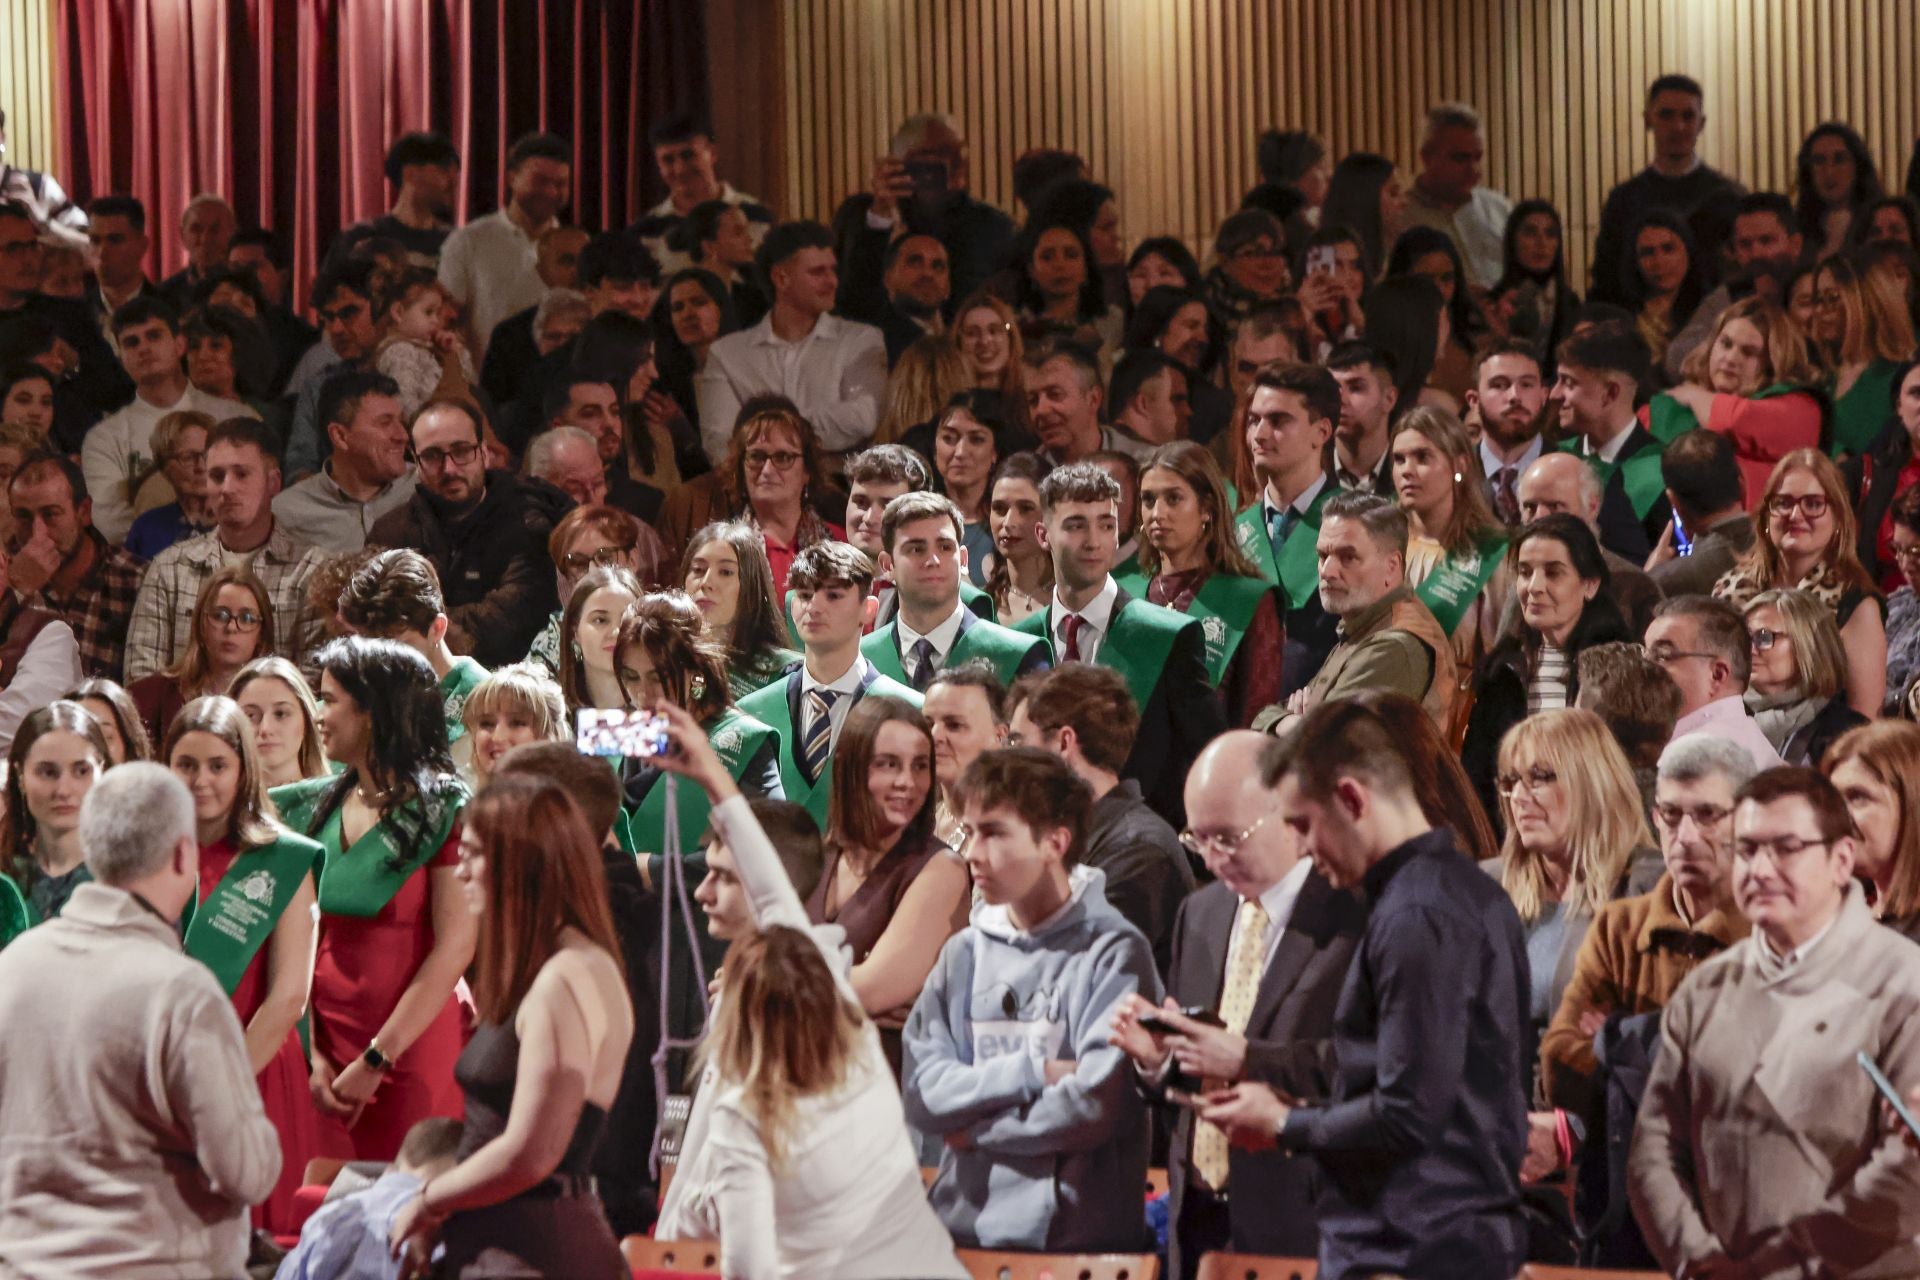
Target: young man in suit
pixel 809 704
pixel 1601 372
pixel 1160 653
pixel 1266 946
pixel 933 628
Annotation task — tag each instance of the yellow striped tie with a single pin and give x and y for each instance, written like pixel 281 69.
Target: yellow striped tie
pixel 1244 965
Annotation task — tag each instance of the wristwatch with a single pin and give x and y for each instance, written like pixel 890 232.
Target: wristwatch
pixel 375 1058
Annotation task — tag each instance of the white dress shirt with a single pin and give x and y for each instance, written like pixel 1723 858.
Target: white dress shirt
pixel 489 266
pixel 847 685
pixel 1610 451
pixel 49 667
pixel 1098 616
pixel 835 374
pixel 943 637
pixel 1729 718
pixel 1279 900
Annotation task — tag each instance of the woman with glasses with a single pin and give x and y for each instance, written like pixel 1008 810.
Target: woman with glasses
pixel 1249 265
pixel 590 537
pixel 253 922
pixel 1560 581
pixel 232 625
pixel 1798 675
pixel 1876 768
pixel 395 935
pixel 1806 540
pixel 726 575
pixel 773 475
pixel 180 447
pixel 1576 840
pixel 1750 382
pixel 987 334
pixel 1861 335
pixel 1879 477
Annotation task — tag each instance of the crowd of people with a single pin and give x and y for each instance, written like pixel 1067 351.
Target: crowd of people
pixel 855 742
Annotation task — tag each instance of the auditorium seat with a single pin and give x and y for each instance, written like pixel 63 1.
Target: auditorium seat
pixel 985 1264
pixel 1247 1266
pixel 648 1258
pixel 1535 1271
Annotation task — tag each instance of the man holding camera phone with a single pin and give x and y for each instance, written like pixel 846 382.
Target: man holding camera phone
pixel 1266 946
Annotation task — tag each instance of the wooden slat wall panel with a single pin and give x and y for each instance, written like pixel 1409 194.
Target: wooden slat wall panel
pixel 26 84
pixel 1164 97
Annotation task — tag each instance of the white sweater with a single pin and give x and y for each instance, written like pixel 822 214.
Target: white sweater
pixel 848 1204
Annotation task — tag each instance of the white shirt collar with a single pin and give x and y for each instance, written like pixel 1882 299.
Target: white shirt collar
pixel 942 636
pixel 1610 451
pixel 1284 893
pixel 1098 613
pixel 1490 464
pixel 1301 504
pixel 847 683
pixel 1800 952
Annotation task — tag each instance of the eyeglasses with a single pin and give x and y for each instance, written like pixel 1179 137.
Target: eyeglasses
pixel 434 459
pixel 1779 850
pixel 1706 817
pixel 1764 638
pixel 230 620
pixel 1783 504
pixel 1255 253
pixel 1222 844
pixel 1907 555
pixel 1535 780
pixel 577 561
pixel 778 459
pixel 186 458
pixel 1665 654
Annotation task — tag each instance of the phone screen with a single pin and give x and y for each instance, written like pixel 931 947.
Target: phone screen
pixel 620 733
pixel 1682 544
pixel 1321 260
pixel 1887 1091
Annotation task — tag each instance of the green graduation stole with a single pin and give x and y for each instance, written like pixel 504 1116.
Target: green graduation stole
pixel 1003 647
pixel 234 921
pixel 1639 474
pixel 765 669
pixel 361 880
pixel 736 738
pixel 1297 568
pixel 1452 585
pixel 769 707
pixel 1668 419
pixel 16 913
pixel 1224 606
pixel 1859 414
pixel 1139 639
pixel 462 678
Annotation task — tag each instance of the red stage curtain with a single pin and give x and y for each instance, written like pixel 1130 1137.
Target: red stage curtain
pixel 286 106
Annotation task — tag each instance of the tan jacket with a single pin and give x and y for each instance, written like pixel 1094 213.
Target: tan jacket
pixel 132 1138
pixel 1379 650
pixel 1635 956
pixel 1760 1136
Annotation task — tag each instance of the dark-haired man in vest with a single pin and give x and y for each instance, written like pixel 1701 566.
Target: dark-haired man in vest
pixel 1161 654
pixel 933 628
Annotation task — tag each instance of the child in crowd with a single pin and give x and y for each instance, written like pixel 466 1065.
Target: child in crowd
pixel 417 348
pixel 346 1239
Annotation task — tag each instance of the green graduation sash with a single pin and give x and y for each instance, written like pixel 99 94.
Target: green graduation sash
pixel 1003 647
pixel 1139 639
pixel 1452 585
pixel 16 913
pixel 1640 474
pixel 462 678
pixel 736 738
pixel 361 880
pixel 769 707
pixel 1298 566
pixel 1224 606
pixel 1668 419
pixel 234 921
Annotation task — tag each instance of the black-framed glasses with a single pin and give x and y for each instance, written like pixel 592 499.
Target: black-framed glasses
pixel 778 459
pixel 433 459
pixel 577 561
pixel 1665 654
pixel 234 619
pixel 1223 844
pixel 1535 780
pixel 188 457
pixel 1764 638
pixel 1779 850
pixel 1783 504
pixel 1706 817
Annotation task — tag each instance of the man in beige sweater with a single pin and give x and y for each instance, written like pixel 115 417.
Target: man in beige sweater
pixel 132 1138
pixel 1761 1149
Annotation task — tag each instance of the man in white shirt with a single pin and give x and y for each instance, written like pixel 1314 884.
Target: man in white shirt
pixel 117 451
pixel 1064 397
pixel 1448 197
pixel 1702 643
pixel 366 474
pixel 1508 394
pixel 684 153
pixel 834 370
pixel 488 266
pixel 39 661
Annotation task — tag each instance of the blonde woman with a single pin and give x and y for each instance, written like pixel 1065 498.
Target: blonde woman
pixel 986 333
pixel 1456 550
pixel 1576 839
pixel 1861 332
pixel 1806 538
pixel 928 374
pixel 1799 675
pixel 514 705
pixel 285 717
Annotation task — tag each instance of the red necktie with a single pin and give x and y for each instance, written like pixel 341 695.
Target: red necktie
pixel 1072 652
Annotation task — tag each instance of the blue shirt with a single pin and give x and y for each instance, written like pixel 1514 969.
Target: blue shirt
pixel 349 1236
pixel 1422 1140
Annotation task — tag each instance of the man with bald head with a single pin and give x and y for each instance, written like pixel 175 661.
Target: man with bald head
pixel 1564 482
pixel 1265 947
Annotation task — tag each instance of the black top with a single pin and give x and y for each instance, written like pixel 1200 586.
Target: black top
pixel 1422 1140
pixel 1148 875
pixel 486 1072
pixel 1704 198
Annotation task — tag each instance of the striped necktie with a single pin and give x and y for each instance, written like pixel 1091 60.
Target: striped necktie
pixel 818 742
pixel 920 674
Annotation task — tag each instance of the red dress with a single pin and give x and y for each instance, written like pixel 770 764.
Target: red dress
pixel 283 1082
pixel 363 966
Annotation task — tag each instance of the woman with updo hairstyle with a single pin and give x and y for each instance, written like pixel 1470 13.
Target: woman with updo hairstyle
pixel 119 720
pixel 395 933
pixel 57 753
pixel 1876 768
pixel 589 537
pixel 252 923
pixel 726 575
pixel 285 718
pixel 1190 563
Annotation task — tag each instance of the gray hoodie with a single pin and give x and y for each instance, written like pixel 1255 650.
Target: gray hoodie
pixel 1059 1167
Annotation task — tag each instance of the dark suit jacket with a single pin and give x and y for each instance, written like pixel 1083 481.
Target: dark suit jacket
pixel 1621 531
pixel 1271 1196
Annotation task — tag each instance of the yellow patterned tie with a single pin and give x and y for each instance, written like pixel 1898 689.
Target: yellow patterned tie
pixel 1237 993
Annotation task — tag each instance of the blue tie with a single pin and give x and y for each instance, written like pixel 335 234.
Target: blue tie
pixel 920 674
pixel 818 743
pixel 1280 527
